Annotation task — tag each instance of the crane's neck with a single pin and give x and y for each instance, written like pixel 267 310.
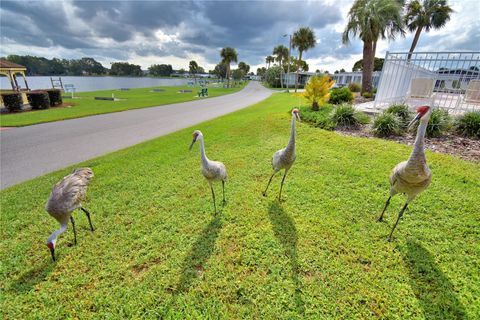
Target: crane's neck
pixel 203 156
pixel 291 142
pixel 53 237
pixel 418 153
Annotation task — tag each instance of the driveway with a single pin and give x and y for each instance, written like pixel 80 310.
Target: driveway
pixel 32 151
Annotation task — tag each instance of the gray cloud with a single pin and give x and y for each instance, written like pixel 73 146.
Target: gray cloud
pixel 122 30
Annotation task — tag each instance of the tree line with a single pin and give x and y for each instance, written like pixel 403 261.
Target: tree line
pixel 40 66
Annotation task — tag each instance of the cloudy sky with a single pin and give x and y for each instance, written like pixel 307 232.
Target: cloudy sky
pixel 174 32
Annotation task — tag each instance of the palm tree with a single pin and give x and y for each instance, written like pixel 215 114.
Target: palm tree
pixel 371 20
pixel 303 39
pixel 282 55
pixel 244 67
pixel 228 55
pixel 268 60
pixel 430 14
pixel 193 68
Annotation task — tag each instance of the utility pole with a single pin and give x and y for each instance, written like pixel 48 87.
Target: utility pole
pixel 289 55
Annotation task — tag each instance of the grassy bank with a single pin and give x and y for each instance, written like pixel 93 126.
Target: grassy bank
pixel 159 252
pixel 85 104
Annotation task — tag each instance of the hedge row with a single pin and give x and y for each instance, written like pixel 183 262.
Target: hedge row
pixel 38 99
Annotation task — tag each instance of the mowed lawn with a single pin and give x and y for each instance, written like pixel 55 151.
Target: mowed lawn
pixel 86 105
pixel 158 250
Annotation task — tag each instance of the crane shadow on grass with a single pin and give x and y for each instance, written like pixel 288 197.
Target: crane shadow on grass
pixel 285 231
pixel 431 286
pixel 202 249
pixel 28 280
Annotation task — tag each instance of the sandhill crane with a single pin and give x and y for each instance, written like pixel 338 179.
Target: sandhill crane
pixel 66 196
pixel 413 176
pixel 284 158
pixel 211 170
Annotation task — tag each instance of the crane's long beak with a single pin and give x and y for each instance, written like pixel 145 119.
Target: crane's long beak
pixel 52 251
pixel 414 121
pixel 191 145
pixel 298 116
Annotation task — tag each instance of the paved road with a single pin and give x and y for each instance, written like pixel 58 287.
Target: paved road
pixel 29 152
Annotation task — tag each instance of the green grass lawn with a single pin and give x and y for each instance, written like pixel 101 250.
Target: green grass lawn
pixel 158 251
pixel 86 105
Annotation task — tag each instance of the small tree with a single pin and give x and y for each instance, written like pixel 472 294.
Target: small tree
pixel 193 68
pixel 317 90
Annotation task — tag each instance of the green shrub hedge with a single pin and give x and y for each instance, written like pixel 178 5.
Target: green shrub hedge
pixel 354 87
pixel 468 125
pixel 340 95
pixel 320 119
pixel 440 122
pixel 346 116
pixel 387 124
pixel 55 96
pixel 38 99
pixel 401 111
pixel 13 101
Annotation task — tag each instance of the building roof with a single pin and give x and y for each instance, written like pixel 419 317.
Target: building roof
pixel 5 64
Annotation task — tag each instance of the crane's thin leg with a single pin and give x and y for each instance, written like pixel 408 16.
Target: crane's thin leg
pixel 400 214
pixel 74 231
pixel 269 181
pixel 88 217
pixel 213 196
pixel 380 219
pixel 281 185
pixel 223 188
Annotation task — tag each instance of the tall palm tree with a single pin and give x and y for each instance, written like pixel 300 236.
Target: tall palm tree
pixel 371 20
pixel 269 60
pixel 228 55
pixel 428 14
pixel 282 55
pixel 193 68
pixel 303 39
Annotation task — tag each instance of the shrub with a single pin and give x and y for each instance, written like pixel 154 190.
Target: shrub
pixel 320 119
pixel 468 125
pixel 440 122
pixel 354 87
pixel 387 124
pixel 367 95
pixel 272 76
pixel 317 90
pixel 346 116
pixel 55 96
pixel 13 101
pixel 401 111
pixel 340 95
pixel 38 99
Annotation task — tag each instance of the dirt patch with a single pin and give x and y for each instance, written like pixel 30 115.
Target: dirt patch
pixel 464 148
pixel 139 269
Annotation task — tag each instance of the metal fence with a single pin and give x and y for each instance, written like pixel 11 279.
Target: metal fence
pixel 453 78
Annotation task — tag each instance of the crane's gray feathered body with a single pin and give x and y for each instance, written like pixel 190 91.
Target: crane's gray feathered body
pixel 284 158
pixel 413 176
pixel 211 170
pixel 66 196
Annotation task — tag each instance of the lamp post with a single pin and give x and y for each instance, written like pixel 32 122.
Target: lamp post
pixel 289 55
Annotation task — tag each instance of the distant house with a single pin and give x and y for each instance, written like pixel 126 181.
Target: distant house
pixel 341 79
pixel 345 78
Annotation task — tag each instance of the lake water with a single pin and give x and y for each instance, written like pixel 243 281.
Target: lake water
pixel 83 84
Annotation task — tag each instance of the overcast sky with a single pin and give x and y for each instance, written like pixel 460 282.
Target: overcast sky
pixel 174 32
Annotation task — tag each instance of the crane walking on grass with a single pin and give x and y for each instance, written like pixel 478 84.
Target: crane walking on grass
pixel 211 170
pixel 413 176
pixel 66 196
pixel 284 158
